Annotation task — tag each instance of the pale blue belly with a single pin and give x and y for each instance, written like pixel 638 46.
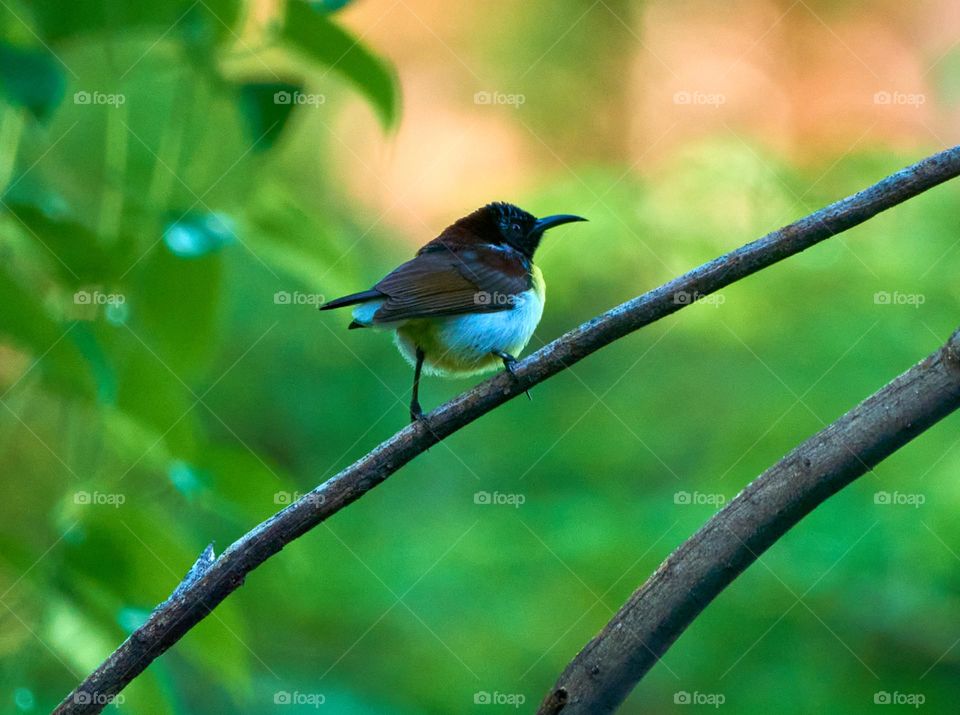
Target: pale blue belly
pixel 466 344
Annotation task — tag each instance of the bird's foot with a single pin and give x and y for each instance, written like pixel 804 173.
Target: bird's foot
pixel 510 365
pixel 416 413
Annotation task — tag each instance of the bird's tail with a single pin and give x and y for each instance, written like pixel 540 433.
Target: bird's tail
pixel 352 299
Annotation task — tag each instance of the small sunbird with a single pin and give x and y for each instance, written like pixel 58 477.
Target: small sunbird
pixel 469 300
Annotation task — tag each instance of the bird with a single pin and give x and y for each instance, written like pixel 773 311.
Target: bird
pixel 468 301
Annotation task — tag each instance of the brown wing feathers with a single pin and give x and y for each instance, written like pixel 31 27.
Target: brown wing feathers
pixel 444 282
pixel 455 273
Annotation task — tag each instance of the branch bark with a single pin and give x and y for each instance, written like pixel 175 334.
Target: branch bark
pixel 601 676
pixel 194 600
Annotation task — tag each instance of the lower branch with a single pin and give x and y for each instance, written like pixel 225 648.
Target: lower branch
pixel 172 619
pixel 602 675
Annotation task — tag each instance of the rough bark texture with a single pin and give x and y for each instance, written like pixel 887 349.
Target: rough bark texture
pixel 211 581
pixel 602 675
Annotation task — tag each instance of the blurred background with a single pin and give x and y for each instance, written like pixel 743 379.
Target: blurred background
pixel 183 182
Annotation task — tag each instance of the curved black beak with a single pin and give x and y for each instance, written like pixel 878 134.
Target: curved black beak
pixel 548 222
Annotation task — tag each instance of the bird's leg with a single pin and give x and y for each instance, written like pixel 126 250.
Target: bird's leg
pixel 508 362
pixel 416 413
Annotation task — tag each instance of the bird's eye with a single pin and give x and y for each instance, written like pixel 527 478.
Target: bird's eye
pixel 515 227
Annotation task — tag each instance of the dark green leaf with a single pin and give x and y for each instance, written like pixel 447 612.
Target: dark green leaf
pixel 24 320
pixel 266 108
pixel 330 45
pixel 329 5
pixel 86 341
pixel 31 78
pixel 197 21
pixel 78 257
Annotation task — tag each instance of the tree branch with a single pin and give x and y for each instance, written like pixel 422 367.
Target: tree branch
pixel 173 618
pixel 601 676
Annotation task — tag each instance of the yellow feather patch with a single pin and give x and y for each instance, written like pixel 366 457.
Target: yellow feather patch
pixel 464 344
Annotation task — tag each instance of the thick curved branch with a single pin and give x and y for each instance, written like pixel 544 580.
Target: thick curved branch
pixel 602 675
pixel 214 582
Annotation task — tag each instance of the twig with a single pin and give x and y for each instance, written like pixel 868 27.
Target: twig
pixel 204 561
pixel 601 676
pixel 168 623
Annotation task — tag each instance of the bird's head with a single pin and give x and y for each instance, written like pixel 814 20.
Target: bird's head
pixel 519 229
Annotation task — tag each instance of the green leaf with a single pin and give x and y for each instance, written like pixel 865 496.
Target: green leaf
pixel 266 108
pixel 285 234
pixel 103 373
pixel 210 20
pixel 324 42
pixel 31 78
pixel 81 259
pixel 328 5
pixel 24 320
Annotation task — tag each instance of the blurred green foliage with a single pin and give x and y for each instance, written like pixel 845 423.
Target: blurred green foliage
pixel 166 381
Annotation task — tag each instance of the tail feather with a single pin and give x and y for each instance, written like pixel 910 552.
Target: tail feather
pixel 352 299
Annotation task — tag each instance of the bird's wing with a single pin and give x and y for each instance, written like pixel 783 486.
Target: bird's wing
pixel 443 282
